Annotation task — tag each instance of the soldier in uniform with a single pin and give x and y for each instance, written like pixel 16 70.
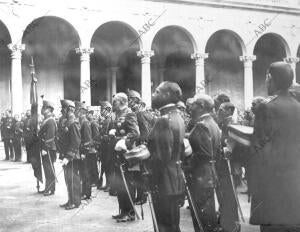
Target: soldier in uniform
pixel 17 140
pixel 96 139
pixel 228 207
pixel 46 135
pixel 124 127
pixel 205 140
pixel 145 121
pixel 106 146
pixel 276 144
pixel 26 134
pixel 166 146
pixel 7 136
pixel 71 159
pixel 86 150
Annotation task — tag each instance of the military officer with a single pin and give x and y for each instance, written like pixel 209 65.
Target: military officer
pixel 106 146
pixel 166 145
pixel 145 121
pixel 7 135
pixel 276 144
pixel 71 157
pixel 46 135
pixel 205 140
pixel 96 139
pixel 124 127
pixel 86 150
pixel 26 134
pixel 17 140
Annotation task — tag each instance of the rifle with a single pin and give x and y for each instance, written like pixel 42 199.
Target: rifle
pixel 189 195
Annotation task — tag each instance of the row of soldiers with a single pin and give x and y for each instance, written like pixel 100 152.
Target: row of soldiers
pixel 81 139
pixel 172 169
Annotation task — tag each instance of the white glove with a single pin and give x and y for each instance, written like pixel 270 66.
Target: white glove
pixel 112 132
pixel 230 144
pixel 65 161
pixel 121 145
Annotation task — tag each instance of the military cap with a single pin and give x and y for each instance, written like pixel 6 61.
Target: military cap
pixel 173 88
pixel 121 96
pixel 81 105
pixel 105 104
pixel 67 103
pixel 134 94
pixel 205 101
pixel 282 74
pixel 48 104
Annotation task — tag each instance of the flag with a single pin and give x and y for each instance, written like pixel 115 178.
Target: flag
pixel 35 148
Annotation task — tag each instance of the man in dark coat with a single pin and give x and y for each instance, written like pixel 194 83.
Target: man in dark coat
pixel 87 151
pixel 71 158
pixel 8 135
pixel 26 134
pixel 106 147
pixel 125 127
pixel 205 140
pixel 165 145
pixel 17 140
pixel 276 144
pixel 145 121
pixel 48 148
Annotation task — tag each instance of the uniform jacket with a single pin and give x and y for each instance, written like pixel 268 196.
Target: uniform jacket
pixel 18 129
pixel 276 161
pixel 126 124
pixel 47 134
pixel 86 136
pixel 165 145
pixel 205 140
pixel 8 130
pixel 145 121
pixel 71 139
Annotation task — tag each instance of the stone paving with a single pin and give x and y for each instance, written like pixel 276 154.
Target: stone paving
pixel 22 209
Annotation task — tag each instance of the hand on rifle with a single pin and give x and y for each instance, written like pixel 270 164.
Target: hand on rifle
pixel 83 156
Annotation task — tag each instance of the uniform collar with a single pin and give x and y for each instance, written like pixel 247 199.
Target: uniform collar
pixel 203 116
pixel 167 108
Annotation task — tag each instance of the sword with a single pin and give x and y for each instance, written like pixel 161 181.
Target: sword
pixel 128 192
pixel 234 190
pixel 51 165
pixel 191 200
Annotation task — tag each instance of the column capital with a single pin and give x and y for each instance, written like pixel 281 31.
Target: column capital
pixel 199 58
pixel 291 60
pixel 16 50
pixel 84 52
pixel 248 59
pixel 145 56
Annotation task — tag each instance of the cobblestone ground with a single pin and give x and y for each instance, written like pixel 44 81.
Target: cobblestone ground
pixel 22 209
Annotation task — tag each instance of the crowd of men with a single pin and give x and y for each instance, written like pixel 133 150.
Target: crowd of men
pixel 171 152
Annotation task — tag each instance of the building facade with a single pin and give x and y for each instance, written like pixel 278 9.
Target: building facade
pixel 88 50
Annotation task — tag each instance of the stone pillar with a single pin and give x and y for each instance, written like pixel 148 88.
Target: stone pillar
pixel 293 62
pixel 248 79
pixel 200 76
pixel 113 80
pixel 85 82
pixel 146 75
pixel 16 78
pixel 108 85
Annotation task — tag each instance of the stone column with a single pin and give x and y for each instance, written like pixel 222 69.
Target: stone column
pixel 113 81
pixel 16 78
pixel 146 75
pixel 200 76
pixel 248 79
pixel 85 82
pixel 293 62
